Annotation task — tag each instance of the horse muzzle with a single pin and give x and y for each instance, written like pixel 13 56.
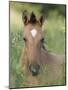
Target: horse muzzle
pixel 34 69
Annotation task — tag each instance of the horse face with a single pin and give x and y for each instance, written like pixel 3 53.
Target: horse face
pixel 33 37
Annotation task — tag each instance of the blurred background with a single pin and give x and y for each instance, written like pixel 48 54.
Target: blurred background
pixel 54 33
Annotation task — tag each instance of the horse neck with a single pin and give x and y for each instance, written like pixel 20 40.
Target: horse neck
pixel 51 58
pixel 44 56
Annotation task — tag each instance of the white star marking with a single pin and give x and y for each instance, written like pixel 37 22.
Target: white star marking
pixel 33 32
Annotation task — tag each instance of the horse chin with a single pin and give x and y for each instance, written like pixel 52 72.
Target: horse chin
pixel 34 74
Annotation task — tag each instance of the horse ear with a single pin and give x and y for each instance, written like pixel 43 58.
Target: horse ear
pixel 25 17
pixel 41 20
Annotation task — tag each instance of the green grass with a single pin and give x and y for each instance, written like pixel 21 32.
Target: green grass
pixel 54 34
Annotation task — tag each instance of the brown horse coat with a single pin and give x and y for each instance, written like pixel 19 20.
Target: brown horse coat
pixel 52 66
pixel 52 70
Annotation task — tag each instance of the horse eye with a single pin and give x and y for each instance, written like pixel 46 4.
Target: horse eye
pixel 24 39
pixel 42 40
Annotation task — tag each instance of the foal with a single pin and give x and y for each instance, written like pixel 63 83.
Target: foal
pixel 41 67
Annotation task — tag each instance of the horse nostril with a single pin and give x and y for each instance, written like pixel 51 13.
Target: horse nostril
pixel 34 69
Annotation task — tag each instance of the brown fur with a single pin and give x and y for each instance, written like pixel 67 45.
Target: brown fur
pixel 52 70
pixel 52 66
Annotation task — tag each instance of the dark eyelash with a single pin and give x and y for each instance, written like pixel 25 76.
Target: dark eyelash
pixel 42 40
pixel 24 39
